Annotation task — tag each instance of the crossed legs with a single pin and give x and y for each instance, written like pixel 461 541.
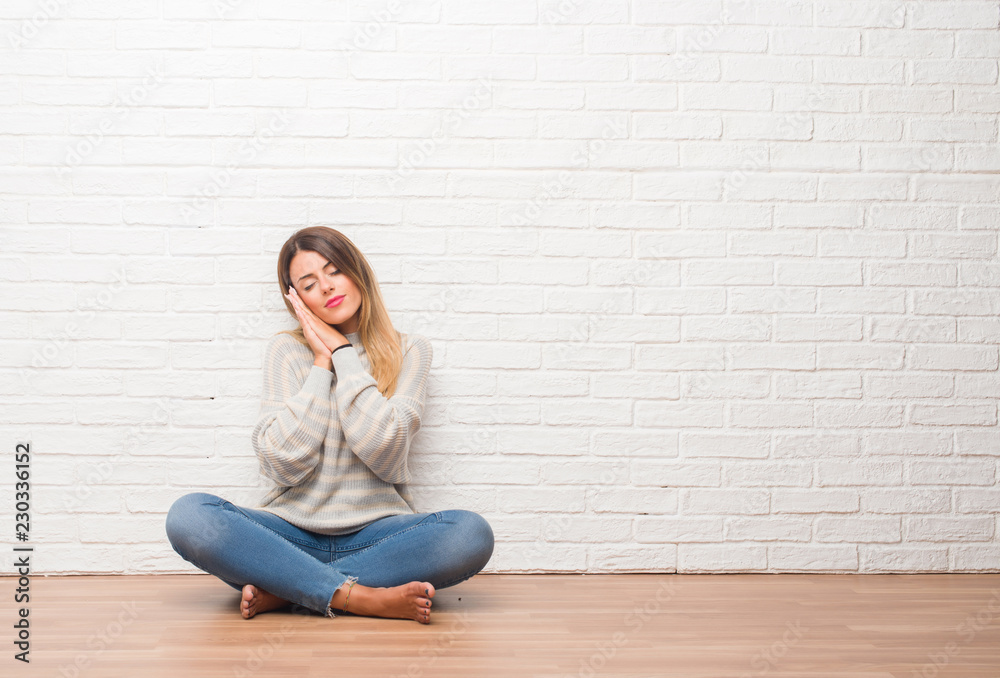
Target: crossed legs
pixel 395 563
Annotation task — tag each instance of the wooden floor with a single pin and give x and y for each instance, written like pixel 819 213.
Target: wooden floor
pixel 711 626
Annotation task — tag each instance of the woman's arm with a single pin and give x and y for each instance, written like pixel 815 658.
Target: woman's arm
pixel 379 429
pixel 294 415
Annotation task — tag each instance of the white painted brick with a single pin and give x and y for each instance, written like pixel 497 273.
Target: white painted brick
pixel 605 473
pixel 640 386
pixel 954 415
pixel 494 67
pixel 770 356
pixel 976 500
pixel 629 40
pixel 526 557
pixel 954 471
pixel 972 302
pixel 976 101
pixel 817 328
pixel 726 96
pixel 863 13
pixel 878 558
pixel 547 440
pixel 795 102
pixel 952 357
pixel 641 501
pixel 909 217
pixel 570 412
pixel 858 70
pixel 858 415
pixel 959 71
pixel 677 126
pixel 678 529
pixel 816 445
pixel 951 130
pixel 809 558
pixel 973 43
pixel 909 99
pixel 716 385
pixel 766 126
pixel 768 528
pixel 753 183
pixel 973 245
pixel 858 529
pixel 729 267
pixel 678 12
pixel 909 158
pixel 766 473
pixel 917 386
pixel 948 529
pixel 941 187
pixel 635 443
pixel 653 414
pixel 132 35
pixel 719 154
pixel 734 557
pixel 817 41
pixel 820 385
pixel 850 188
pixel 673 473
pixel 679 186
pixel 772 300
pixel 976 158
pixel 918 44
pixel 706 217
pixel 942 15
pixel 978 329
pixel 977 385
pixel 814 501
pixel 726 328
pixel 229 63
pixel 845 356
pixel 973 442
pixel 753 68
pixel 770 416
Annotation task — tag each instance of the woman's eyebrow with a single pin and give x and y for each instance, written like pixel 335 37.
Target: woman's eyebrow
pixel 313 274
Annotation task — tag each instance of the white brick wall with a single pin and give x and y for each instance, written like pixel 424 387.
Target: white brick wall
pixel 713 286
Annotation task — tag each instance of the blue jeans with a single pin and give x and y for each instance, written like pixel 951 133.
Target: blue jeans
pixel 250 546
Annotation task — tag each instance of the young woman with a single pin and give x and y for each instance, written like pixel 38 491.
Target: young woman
pixel 343 396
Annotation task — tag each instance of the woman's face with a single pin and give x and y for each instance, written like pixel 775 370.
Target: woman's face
pixel 318 282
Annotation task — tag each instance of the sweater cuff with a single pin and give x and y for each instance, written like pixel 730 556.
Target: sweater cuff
pixel 346 363
pixel 318 382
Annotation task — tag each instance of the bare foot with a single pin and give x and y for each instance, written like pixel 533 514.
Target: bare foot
pixel 256 599
pixel 407 601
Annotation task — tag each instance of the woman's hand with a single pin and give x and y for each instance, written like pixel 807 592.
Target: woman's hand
pixel 322 338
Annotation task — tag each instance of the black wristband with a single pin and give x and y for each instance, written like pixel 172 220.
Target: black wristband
pixel 340 347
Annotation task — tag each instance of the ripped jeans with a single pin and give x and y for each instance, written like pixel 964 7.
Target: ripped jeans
pixel 250 546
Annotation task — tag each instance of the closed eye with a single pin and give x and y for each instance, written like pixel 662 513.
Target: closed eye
pixel 331 274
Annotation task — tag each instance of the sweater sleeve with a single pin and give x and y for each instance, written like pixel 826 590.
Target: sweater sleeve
pixel 379 429
pixel 294 415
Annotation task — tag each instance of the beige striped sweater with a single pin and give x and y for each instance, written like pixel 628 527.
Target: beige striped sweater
pixel 335 447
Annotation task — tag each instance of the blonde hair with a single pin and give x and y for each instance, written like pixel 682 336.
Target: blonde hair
pixel 379 338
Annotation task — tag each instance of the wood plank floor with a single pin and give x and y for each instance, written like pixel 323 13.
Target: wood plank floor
pixel 695 626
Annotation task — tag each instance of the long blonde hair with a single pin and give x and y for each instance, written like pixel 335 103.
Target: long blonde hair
pixel 380 339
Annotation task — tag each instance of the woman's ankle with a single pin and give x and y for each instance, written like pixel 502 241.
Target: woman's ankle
pixel 347 594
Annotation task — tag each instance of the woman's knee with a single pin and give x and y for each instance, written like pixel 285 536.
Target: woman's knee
pixel 476 532
pixel 189 517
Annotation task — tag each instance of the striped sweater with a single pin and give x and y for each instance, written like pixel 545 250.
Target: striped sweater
pixel 333 445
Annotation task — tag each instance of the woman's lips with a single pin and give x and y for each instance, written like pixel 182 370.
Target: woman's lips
pixel 335 301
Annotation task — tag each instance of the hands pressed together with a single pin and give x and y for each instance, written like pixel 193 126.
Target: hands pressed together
pixel 322 338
